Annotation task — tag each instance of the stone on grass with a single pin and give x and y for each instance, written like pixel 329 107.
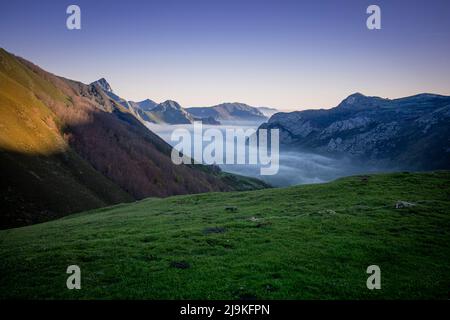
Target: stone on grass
pixel 403 204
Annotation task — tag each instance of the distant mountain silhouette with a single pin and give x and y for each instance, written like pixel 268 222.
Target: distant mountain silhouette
pixel 229 111
pixel 170 112
pixel 145 105
pixel 167 112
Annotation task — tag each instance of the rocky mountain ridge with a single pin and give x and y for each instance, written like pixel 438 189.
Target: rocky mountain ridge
pixel 412 132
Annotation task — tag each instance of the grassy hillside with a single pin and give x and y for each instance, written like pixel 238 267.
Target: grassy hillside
pixel 67 147
pixel 311 241
pixel 41 175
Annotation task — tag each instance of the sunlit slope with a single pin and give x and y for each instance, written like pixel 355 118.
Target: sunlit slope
pixel 67 147
pixel 26 123
pixel 312 241
pixel 41 176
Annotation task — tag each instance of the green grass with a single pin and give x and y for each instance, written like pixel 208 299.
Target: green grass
pixel 307 242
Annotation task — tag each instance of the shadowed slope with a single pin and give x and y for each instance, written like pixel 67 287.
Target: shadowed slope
pixel 59 126
pixel 41 176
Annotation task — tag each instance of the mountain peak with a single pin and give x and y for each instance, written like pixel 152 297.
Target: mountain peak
pixel 357 94
pixel 354 97
pixel 358 101
pixel 103 84
pixel 171 104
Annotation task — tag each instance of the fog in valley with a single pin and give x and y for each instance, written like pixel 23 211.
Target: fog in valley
pixel 294 167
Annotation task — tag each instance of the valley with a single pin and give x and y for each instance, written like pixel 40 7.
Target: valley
pixel 66 147
pixel 215 152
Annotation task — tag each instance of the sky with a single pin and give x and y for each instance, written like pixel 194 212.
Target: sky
pixel 292 55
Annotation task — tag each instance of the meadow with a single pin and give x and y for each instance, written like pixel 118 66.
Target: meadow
pixel 304 242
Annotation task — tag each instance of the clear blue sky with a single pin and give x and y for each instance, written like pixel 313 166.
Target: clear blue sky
pixel 286 54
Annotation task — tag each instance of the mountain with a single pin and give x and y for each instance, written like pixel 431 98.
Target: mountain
pixel 169 112
pixel 102 83
pixel 66 146
pixel 229 111
pixel 208 120
pixel 42 177
pixel 268 112
pixel 145 105
pixel 106 87
pixel 138 109
pixel 411 132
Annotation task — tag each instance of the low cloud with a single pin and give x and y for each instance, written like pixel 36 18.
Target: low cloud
pixel 295 167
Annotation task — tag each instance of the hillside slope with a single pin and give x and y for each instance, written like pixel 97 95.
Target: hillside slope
pixel 41 176
pixel 66 147
pixel 304 242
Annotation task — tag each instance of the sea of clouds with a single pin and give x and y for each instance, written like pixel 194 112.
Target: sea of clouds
pixel 295 167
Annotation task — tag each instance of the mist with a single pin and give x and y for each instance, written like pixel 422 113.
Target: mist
pixel 295 167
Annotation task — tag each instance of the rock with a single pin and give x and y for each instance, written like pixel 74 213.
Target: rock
pixel 325 212
pixel 404 204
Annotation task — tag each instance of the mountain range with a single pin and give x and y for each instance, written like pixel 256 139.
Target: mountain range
pixel 410 133
pixel 171 112
pixel 66 147
pixel 229 112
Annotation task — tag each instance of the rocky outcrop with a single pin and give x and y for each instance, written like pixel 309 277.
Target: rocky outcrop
pixel 411 132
